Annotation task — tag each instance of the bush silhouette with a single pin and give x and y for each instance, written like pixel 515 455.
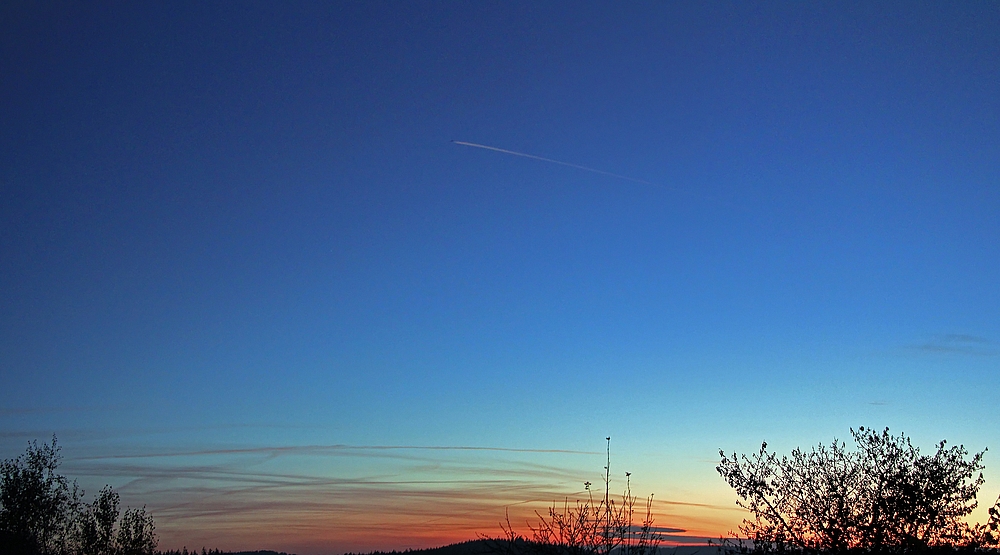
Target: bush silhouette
pixel 587 527
pixel 882 497
pixel 41 513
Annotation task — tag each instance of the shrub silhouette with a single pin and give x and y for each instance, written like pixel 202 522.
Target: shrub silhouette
pixel 588 527
pixel 41 513
pixel 882 497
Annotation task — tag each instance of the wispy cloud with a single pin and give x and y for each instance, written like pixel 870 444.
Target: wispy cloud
pixel 658 529
pixel 331 449
pixel 18 411
pixel 329 498
pixel 959 343
pixel 551 161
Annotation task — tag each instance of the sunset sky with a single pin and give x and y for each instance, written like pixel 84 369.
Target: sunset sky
pixel 248 279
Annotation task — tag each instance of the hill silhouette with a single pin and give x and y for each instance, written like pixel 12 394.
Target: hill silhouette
pixel 489 547
pixel 218 552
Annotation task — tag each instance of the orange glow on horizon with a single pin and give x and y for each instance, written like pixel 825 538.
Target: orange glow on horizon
pixel 396 524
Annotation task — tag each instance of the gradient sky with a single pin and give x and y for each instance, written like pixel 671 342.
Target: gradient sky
pixel 248 280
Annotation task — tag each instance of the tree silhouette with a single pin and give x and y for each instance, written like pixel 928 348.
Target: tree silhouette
pixel 37 505
pixel 884 496
pixel 41 513
pixel 135 533
pixel 97 528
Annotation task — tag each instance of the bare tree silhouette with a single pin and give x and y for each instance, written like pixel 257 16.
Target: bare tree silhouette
pixel 882 497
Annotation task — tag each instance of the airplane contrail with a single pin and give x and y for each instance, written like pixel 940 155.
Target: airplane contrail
pixel 329 448
pixel 533 157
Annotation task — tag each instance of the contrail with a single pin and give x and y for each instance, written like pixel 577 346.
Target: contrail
pixel 533 157
pixel 311 449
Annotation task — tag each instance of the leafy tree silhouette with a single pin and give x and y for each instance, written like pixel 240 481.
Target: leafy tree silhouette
pixel 97 528
pixel 37 505
pixel 882 497
pixel 41 513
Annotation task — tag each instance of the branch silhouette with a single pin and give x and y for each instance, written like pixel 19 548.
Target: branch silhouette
pixel 882 497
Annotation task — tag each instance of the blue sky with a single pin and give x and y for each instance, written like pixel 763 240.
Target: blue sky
pixel 239 236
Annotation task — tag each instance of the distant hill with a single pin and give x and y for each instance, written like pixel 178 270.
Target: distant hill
pixel 218 552
pixel 489 547
pixel 471 547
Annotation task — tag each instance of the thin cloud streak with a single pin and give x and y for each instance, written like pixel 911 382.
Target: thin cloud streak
pixel 72 434
pixel 235 498
pixel 146 475
pixel 959 343
pixel 319 449
pixel 550 160
pixel 459 513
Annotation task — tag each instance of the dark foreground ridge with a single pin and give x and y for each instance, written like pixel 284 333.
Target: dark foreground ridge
pixel 218 552
pixel 489 547
pixel 471 547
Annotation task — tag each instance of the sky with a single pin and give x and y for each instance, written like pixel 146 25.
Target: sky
pixel 248 278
